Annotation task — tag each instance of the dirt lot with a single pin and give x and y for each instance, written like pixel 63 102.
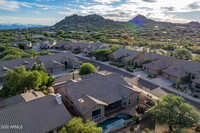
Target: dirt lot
pixel 148 126
pixel 147 123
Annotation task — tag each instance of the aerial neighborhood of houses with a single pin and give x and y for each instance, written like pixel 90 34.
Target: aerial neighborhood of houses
pixel 98 96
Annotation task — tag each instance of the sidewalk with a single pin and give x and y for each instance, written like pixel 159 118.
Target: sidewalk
pixel 160 84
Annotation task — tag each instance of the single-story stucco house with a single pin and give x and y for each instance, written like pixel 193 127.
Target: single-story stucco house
pixel 96 95
pixel 126 56
pixel 58 62
pixel 155 63
pixel 183 69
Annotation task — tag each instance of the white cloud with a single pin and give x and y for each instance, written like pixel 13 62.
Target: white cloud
pixel 9 5
pixel 69 12
pixel 158 10
pixel 14 5
pixel 106 1
pixel 38 12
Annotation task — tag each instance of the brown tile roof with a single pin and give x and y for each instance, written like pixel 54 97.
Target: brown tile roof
pixel 59 58
pixel 159 62
pixel 182 68
pixel 104 89
pixel 64 44
pixel 24 97
pixel 11 64
pixel 80 45
pixel 127 53
pixel 36 116
pixel 50 43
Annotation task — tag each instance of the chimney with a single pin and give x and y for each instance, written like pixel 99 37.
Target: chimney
pixel 58 98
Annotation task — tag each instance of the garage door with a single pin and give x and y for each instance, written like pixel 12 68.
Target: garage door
pixel 59 69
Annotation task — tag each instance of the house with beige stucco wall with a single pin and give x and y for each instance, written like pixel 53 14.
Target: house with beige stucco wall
pixel 58 62
pixel 187 71
pixel 126 56
pixel 155 63
pixel 96 95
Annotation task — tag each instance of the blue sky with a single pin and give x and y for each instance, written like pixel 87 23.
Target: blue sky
pixel 48 12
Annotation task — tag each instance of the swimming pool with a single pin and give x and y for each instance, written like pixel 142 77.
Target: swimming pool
pixel 115 122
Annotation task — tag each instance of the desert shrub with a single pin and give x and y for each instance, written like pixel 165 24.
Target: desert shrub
pixel 120 65
pixel 141 108
pixel 179 131
pixel 149 76
pixel 132 129
pixel 197 129
pixel 137 119
pixel 174 85
pixel 184 87
pixel 128 69
pixel 196 96
pixel 113 64
pixel 146 130
pixel 45 92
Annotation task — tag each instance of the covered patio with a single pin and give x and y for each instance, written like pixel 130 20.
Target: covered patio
pixel 113 107
pixel 112 113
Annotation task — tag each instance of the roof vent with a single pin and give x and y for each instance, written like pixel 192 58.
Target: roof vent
pixel 81 100
pixel 58 98
pixel 25 62
pixel 5 69
pixel 81 103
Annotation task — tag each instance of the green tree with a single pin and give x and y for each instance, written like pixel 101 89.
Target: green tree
pixel 76 125
pixel 102 53
pixel 13 51
pixel 2 48
pixel 115 48
pixel 50 82
pixel 173 111
pixel 87 68
pixel 182 53
pixel 45 53
pixel 14 82
pixel 61 32
pixel 178 82
pixel 13 39
pixel 38 67
pixel 197 51
pixel 19 80
pixel 21 46
pixel 32 80
pixel 196 58
pixel 32 52
pixel 10 57
pixel 169 47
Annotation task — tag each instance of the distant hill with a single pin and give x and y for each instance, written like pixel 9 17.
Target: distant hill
pixel 140 20
pixel 88 22
pixel 96 22
pixel 194 23
pixel 16 26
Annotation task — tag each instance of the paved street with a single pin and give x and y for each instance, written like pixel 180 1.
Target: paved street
pixel 143 84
